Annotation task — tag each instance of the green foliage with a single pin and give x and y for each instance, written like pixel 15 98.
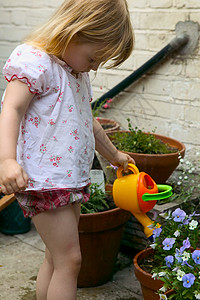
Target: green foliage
pixel 97 202
pixel 97 107
pixel 139 142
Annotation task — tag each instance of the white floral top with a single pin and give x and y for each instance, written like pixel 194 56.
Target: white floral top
pixel 56 141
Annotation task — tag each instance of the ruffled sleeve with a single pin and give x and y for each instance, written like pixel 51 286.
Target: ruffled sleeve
pixel 31 66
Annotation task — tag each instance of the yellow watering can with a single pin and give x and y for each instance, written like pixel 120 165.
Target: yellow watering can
pixel 138 193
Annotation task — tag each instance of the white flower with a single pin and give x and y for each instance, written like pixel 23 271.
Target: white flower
pixel 181 160
pixel 162 274
pixel 177 233
pixel 163 297
pixel 193 224
pixel 151 226
pixel 180 275
pixel 154 275
pixel 179 183
pixel 168 215
pixel 163 289
pixel 153 246
pixel 185 177
pixel 185 256
pixel 197 295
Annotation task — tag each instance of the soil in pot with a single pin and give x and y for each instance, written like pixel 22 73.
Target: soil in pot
pixel 108 124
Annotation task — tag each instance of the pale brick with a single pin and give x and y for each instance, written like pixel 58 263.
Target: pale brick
pixel 193 68
pixel 186 90
pixel 192 114
pixel 141 40
pixel 161 4
pixel 52 3
pixel 141 58
pixel 6 49
pixel 3 84
pixel 13 34
pixel 184 133
pixel 21 3
pixel 128 65
pixel 157 86
pixel 159 40
pixel 171 67
pixel 39 17
pixel 135 20
pixel 19 16
pixel 5 16
pixel 137 4
pixel 195 16
pixel 188 4
pixel 160 19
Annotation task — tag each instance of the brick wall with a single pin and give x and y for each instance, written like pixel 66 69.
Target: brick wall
pixel 167 98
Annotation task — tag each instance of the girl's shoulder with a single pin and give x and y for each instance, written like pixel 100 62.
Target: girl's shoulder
pixel 30 65
pixel 29 56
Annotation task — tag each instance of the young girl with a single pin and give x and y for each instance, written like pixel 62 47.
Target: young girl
pixel 47 133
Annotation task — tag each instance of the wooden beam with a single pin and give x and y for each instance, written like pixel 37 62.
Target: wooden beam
pixel 6 200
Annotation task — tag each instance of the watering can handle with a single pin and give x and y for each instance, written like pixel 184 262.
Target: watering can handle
pixel 131 167
pixel 164 191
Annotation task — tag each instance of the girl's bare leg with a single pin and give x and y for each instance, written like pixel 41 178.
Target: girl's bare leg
pixel 57 278
pixel 44 276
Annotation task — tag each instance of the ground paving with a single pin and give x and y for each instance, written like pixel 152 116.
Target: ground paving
pixel 21 256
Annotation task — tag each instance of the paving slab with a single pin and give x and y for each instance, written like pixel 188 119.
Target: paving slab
pixel 20 259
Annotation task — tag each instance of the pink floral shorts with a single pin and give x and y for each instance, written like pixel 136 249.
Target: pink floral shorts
pixel 34 202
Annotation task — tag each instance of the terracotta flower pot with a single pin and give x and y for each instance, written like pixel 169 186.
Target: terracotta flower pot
pixel 149 285
pixel 100 236
pixel 108 124
pixel 158 166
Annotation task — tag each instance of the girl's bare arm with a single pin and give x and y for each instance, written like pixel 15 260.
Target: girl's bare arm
pixel 105 147
pixel 16 101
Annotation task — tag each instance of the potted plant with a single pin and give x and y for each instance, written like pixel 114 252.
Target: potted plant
pixel 108 124
pixel 157 155
pixel 101 227
pixel 173 260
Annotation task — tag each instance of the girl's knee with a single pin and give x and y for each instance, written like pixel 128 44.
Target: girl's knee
pixel 48 259
pixel 69 260
pixel 75 260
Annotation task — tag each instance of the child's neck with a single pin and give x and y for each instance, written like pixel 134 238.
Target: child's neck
pixel 74 74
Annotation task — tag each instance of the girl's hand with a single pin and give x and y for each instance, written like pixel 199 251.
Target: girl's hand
pixel 122 159
pixel 13 178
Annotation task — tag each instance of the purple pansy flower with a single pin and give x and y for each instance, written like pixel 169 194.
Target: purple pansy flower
pixel 156 233
pixel 178 255
pixel 168 243
pixel 186 245
pixel 196 256
pixel 188 280
pixel 186 263
pixel 169 260
pixel 179 215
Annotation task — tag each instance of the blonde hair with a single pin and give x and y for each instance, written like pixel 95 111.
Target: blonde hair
pixel 106 22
